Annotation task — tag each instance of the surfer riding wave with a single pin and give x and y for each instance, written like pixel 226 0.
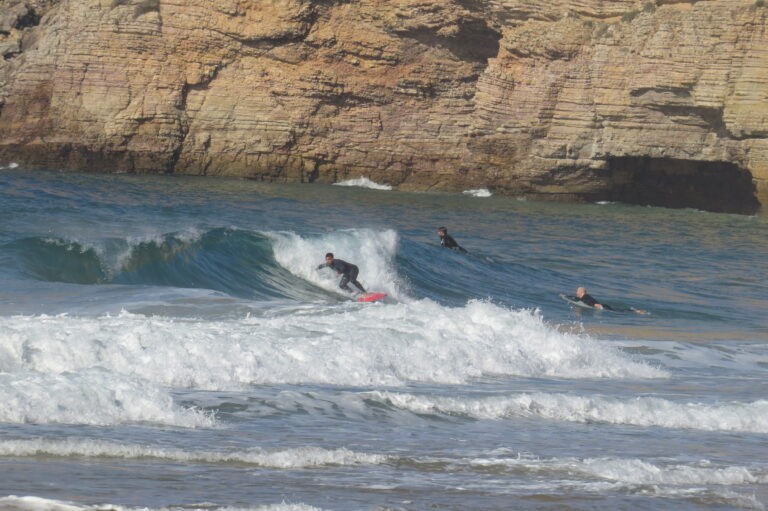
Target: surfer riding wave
pixel 348 272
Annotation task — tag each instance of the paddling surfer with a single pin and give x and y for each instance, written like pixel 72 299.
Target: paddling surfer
pixel 348 272
pixel 447 241
pixel 587 299
pixel 582 296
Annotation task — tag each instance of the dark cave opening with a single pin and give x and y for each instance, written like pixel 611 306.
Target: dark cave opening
pixel 717 186
pixel 474 41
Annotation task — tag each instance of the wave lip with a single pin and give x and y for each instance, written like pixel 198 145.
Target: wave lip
pixel 92 397
pixel 301 457
pixel 641 411
pixel 363 182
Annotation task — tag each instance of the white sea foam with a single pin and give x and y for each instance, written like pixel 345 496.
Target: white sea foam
pixel 702 482
pixel 11 165
pixel 632 471
pixel 363 182
pixel 93 397
pixel 300 457
pixel 372 251
pixel 345 345
pixel 641 411
pixel 31 503
pixel 480 192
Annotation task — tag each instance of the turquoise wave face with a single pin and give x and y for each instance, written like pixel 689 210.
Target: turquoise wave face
pixel 238 263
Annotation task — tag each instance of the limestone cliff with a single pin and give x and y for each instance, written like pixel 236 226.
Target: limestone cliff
pixel 661 102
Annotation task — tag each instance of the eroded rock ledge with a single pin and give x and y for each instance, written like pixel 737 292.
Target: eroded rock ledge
pixel 656 102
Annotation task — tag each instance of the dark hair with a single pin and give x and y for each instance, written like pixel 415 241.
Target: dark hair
pixel 329 254
pixel 442 229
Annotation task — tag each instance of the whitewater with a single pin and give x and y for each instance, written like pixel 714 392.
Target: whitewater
pixel 169 344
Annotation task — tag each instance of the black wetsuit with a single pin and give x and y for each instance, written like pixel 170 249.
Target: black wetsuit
pixel 589 300
pixel 348 271
pixel 447 241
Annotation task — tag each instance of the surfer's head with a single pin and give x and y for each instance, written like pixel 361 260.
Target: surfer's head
pixel 442 231
pixel 329 257
pixel 581 292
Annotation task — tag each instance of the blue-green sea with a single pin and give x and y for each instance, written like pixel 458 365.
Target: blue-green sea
pixel 168 343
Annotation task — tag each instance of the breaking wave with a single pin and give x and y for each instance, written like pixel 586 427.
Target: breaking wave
pixel 363 182
pixel 641 411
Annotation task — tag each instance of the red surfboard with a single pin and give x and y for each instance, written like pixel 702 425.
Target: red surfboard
pixel 371 297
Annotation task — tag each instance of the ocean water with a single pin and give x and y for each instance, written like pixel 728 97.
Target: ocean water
pixel 167 343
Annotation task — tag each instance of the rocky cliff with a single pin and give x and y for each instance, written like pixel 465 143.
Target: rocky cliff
pixel 661 102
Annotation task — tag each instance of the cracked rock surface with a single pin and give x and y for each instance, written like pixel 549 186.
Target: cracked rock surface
pixel 649 102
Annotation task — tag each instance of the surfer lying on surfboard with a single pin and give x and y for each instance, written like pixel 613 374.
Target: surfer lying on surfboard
pixel 348 272
pixel 582 298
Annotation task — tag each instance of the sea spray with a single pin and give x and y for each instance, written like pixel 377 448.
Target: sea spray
pixel 371 250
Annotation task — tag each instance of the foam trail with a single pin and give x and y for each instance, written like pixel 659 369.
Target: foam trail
pixel 30 503
pixel 636 471
pixel 93 397
pixel 641 411
pixel 701 482
pixel 372 251
pixel 355 345
pixel 480 192
pixel 302 457
pixel 363 182
pixel 632 471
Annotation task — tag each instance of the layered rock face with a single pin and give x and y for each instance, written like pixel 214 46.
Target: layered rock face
pixel 648 102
